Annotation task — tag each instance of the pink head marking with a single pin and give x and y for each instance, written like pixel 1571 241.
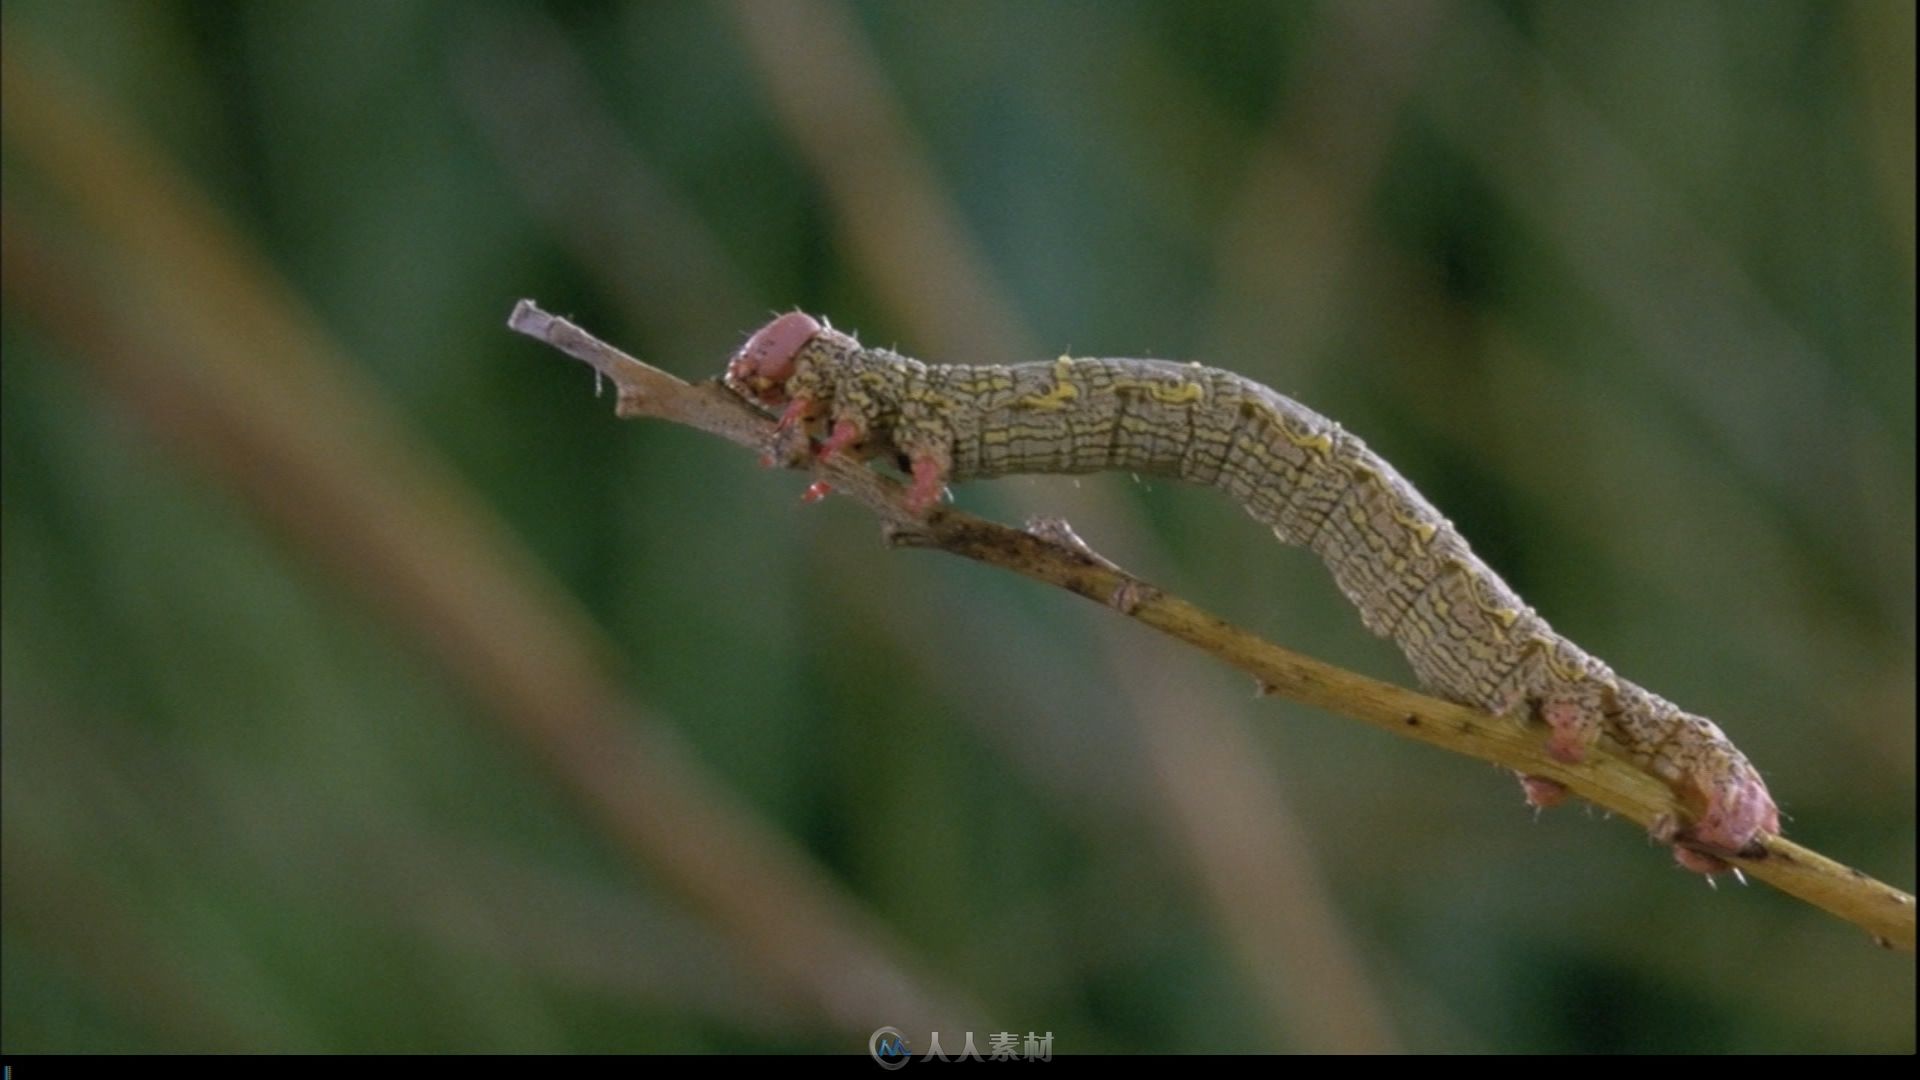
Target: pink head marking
pixel 763 365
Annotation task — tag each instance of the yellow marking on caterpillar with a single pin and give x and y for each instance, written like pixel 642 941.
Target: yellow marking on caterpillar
pixel 1423 531
pixel 925 396
pixel 1032 434
pixel 1063 390
pixel 1504 617
pixel 1171 394
pixel 1568 672
pixel 1319 443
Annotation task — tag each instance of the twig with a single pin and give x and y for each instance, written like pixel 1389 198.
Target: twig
pixel 1055 557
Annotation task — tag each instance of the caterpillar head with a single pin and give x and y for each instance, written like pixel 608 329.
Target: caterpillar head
pixel 763 365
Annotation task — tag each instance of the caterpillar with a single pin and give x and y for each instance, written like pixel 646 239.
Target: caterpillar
pixel 1468 637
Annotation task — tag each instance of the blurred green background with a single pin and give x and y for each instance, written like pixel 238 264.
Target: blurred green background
pixel 368 686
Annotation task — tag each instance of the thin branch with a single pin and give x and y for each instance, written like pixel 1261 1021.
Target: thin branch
pixel 1050 555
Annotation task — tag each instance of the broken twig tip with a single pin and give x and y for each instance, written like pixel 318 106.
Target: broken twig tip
pixel 528 319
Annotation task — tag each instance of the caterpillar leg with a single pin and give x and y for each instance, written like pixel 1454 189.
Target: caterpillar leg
pixel 1739 809
pixel 1542 793
pixel 1574 721
pixel 792 441
pixel 923 491
pixel 798 412
pixel 1666 830
pixel 1699 861
pixel 845 434
pixel 929 480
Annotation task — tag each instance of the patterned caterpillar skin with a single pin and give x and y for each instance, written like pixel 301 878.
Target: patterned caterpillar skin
pixel 1467 635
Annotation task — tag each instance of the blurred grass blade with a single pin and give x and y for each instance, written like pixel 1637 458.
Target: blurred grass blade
pixel 192 330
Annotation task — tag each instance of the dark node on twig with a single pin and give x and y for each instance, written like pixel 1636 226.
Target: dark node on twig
pixel 1131 594
pixel 1262 688
pixel 1411 720
pixel 899 535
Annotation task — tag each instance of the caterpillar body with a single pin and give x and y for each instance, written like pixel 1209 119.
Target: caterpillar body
pixel 1468 637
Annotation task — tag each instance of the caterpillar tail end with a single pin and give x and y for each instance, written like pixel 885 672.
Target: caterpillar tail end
pixel 1739 812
